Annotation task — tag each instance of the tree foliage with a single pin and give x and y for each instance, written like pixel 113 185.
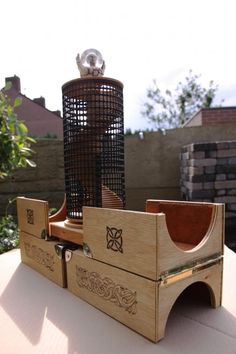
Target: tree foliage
pixel 9 234
pixel 15 144
pixel 171 110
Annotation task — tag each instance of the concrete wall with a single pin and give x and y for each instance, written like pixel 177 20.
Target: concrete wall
pixel 153 164
pixel 152 167
pixel 46 181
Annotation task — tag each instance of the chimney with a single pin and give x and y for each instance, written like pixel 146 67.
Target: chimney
pixel 57 112
pixel 15 81
pixel 40 101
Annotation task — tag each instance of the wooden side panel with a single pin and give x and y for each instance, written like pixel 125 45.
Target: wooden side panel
pixel 168 294
pixel 33 216
pixel 60 215
pixel 126 297
pixel 41 256
pixel 170 256
pixel 125 239
pixel 182 218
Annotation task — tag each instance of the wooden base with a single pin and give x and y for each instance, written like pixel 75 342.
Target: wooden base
pixel 66 233
pixel 41 255
pixel 141 243
pixel 73 224
pixel 64 228
pixel 140 303
pixel 135 264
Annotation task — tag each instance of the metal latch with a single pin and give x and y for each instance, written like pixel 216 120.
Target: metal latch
pixel 61 249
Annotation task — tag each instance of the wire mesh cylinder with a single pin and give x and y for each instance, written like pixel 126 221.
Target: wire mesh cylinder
pixel 93 144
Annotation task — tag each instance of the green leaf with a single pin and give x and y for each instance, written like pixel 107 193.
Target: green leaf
pixel 14 140
pixel 173 108
pixel 31 163
pixel 9 110
pixel 8 86
pixel 23 130
pixel 26 149
pixel 30 139
pixel 17 102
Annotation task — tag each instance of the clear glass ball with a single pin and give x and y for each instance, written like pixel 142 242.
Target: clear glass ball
pixel 92 58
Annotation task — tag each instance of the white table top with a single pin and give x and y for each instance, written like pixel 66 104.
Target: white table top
pixel 37 316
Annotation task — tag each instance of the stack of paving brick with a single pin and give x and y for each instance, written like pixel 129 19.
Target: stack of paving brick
pixel 208 173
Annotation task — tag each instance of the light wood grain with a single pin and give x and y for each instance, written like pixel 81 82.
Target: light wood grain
pixel 41 256
pixel 170 256
pixel 64 232
pixel 112 284
pixel 132 255
pixel 60 215
pixel 187 222
pixel 142 241
pixel 33 216
pixel 131 236
pixel 211 276
pixel 155 299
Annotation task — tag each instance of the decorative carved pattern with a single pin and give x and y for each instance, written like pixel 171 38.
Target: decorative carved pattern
pixel 40 256
pixel 30 216
pixel 107 289
pixel 114 239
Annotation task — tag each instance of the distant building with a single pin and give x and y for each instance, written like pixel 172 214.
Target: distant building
pixel 212 116
pixel 40 121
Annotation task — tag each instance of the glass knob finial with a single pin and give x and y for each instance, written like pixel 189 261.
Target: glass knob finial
pixel 91 63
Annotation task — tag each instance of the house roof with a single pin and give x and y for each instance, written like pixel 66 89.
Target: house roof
pixel 40 121
pixel 212 115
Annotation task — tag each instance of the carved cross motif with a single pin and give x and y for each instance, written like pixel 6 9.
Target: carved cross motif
pixel 30 216
pixel 114 239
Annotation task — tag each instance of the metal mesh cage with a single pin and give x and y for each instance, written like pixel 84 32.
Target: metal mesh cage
pixel 93 144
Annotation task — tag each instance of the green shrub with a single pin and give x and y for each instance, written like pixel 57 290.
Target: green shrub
pixel 15 144
pixel 9 234
pixel 15 150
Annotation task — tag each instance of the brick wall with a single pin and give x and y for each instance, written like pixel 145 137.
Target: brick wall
pixel 213 116
pixel 218 115
pixel 208 173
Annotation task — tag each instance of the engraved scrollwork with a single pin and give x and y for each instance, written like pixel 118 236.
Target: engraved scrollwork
pixel 107 289
pixel 40 256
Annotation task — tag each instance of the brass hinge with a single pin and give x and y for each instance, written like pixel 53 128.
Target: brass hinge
pixel 188 270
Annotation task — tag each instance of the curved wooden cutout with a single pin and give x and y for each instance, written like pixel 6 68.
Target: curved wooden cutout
pixel 188 223
pixel 60 215
pixel 168 295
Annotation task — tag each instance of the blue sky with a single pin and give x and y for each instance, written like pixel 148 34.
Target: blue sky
pixel 139 40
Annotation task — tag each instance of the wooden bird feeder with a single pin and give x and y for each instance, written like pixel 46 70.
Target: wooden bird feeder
pixel 131 265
